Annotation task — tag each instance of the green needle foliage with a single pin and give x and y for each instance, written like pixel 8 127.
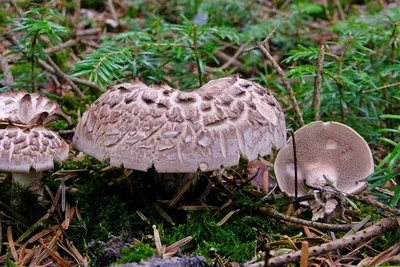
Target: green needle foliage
pixel 163 55
pixel 35 24
pixel 35 28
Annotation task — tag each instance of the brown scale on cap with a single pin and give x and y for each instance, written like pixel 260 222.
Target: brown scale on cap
pixel 20 107
pixel 24 150
pixel 179 132
pixel 324 148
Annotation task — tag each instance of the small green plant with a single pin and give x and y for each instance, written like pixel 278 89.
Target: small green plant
pixel 9 262
pixel 36 23
pixel 352 72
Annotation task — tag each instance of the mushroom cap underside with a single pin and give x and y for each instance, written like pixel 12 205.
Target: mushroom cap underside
pixel 30 149
pixel 25 108
pixel 324 148
pixel 139 126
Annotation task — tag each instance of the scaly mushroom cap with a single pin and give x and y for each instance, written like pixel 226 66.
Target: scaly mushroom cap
pixel 29 108
pixel 324 148
pixel 26 149
pixel 139 126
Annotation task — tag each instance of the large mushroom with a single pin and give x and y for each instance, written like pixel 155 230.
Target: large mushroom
pixel 329 149
pixel 141 127
pixel 27 148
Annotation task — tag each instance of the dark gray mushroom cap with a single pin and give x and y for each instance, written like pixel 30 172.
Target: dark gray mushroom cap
pixel 139 126
pixel 30 149
pixel 29 109
pixel 324 148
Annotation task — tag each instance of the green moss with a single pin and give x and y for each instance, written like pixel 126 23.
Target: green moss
pixel 3 17
pixel 235 239
pixel 368 210
pixel 105 208
pixel 59 125
pixel 9 262
pixel 136 253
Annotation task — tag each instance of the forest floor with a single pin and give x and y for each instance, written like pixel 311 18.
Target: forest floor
pixel 343 53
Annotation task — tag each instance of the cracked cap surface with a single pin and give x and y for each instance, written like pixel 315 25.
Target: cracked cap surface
pixel 31 148
pixel 139 126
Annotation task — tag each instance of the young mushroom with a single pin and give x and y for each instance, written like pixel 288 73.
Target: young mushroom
pixel 26 152
pixel 141 127
pixel 329 149
pixel 257 174
pixel 27 148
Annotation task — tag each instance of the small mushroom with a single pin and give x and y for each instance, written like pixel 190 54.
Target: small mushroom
pixel 20 107
pixel 26 147
pixel 329 149
pixel 180 132
pixel 257 173
pixel 26 152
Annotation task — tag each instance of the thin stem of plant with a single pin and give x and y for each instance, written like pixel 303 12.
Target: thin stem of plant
pixel 318 83
pixel 266 40
pixel 112 10
pixel 33 60
pixel 196 55
pixel 64 76
pixel 285 82
pixel 17 9
pixel 381 87
pixel 394 38
pixel 77 14
pixel 339 84
pixel 8 78
pixel 50 69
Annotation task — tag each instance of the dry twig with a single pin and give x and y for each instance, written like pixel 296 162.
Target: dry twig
pixel 17 9
pixel 369 200
pixel 266 40
pixel 8 78
pixel 112 10
pixel 378 228
pixel 318 83
pixel 50 69
pixel 64 76
pixel 286 83
pixel 321 226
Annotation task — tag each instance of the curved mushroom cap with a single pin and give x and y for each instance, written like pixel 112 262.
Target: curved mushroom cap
pixel 26 149
pixel 139 126
pixel 29 108
pixel 324 148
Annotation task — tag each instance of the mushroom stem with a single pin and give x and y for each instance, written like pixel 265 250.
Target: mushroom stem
pixel 25 179
pixel 31 181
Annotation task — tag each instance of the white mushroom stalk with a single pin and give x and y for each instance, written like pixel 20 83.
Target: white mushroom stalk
pixel 329 149
pixel 26 179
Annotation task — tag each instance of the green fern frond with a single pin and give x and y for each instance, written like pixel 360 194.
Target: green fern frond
pixel 104 65
pixel 310 53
